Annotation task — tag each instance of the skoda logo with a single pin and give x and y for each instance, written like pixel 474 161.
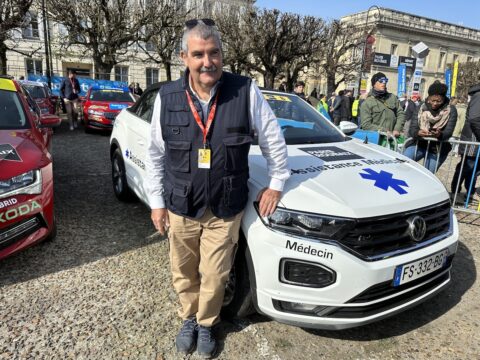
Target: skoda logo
pixel 416 228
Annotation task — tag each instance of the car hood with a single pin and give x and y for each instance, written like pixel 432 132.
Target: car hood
pixel 19 153
pixel 352 179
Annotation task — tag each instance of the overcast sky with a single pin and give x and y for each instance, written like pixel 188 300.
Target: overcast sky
pixel 459 12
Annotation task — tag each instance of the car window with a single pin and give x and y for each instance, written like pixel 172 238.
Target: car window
pixel 300 123
pixel 13 116
pixel 37 92
pixel 111 96
pixel 145 107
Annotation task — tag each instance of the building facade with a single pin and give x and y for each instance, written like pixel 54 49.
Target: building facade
pixel 396 32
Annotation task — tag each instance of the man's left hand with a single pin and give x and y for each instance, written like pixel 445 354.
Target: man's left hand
pixel 396 133
pixel 268 200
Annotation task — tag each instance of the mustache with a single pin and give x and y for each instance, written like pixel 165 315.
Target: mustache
pixel 212 68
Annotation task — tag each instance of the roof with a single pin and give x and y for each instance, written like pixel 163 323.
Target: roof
pixel 7 84
pixel 32 83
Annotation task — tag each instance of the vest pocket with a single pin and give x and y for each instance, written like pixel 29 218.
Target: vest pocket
pixel 179 154
pixel 236 152
pixel 235 191
pixel 179 195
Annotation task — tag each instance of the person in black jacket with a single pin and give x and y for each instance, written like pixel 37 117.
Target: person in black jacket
pixel 436 119
pixel 410 110
pixel 470 132
pixel 69 92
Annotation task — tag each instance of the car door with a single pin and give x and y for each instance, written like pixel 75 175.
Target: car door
pixel 137 142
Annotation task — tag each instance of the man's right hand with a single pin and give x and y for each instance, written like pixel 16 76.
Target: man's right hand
pixel 160 220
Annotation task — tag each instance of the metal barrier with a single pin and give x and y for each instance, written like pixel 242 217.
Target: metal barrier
pixel 468 203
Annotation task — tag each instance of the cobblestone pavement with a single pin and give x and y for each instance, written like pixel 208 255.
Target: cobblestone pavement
pixel 101 289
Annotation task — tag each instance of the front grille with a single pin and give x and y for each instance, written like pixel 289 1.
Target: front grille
pixel 379 237
pixel 370 310
pixel 386 288
pixel 19 230
pixel 110 115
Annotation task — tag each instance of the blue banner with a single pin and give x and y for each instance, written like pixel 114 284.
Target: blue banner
pixel 402 80
pixel 448 81
pixel 85 83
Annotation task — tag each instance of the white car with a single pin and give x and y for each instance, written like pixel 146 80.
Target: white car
pixel 361 232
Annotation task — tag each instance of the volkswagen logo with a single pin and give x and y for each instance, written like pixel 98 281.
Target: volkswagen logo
pixel 416 228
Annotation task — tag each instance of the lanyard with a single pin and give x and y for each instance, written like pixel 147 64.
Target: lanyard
pixel 211 115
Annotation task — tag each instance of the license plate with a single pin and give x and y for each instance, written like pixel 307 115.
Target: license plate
pixel 417 269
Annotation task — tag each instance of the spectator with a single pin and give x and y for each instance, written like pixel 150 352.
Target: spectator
pixel 330 104
pixel 298 90
pixel 337 107
pixel 282 87
pixel 436 119
pixel 322 106
pixel 349 103
pixel 137 90
pixel 69 92
pixel 410 110
pixel 355 112
pixel 470 132
pixel 381 110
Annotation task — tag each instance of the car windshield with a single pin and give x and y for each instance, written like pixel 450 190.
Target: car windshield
pixel 36 92
pixel 13 116
pixel 300 123
pixel 111 96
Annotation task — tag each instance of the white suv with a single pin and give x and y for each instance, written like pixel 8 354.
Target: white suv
pixel 361 232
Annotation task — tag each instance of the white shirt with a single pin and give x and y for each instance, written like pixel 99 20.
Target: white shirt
pixel 262 120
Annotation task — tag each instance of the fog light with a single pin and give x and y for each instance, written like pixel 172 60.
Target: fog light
pixel 304 273
pixel 300 308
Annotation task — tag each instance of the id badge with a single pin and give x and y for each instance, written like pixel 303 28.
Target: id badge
pixel 204 158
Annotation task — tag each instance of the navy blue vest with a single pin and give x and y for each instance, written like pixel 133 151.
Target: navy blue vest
pixel 188 189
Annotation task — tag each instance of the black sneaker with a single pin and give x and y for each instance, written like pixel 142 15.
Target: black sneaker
pixel 187 337
pixel 207 345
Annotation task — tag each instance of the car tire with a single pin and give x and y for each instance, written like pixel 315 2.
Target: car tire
pixel 119 178
pixel 238 299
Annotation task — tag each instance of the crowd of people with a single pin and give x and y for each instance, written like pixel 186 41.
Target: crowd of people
pixel 430 123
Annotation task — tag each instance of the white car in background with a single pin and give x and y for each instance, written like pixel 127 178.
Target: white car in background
pixel 361 232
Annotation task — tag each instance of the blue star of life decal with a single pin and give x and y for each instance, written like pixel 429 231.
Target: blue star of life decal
pixel 126 153
pixel 385 180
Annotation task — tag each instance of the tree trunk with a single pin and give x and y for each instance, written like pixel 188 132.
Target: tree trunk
pixel 269 79
pixel 168 70
pixel 103 70
pixel 331 87
pixel 3 58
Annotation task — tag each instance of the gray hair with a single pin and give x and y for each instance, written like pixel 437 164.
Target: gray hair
pixel 202 31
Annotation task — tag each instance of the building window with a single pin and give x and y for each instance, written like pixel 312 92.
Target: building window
pixel 152 76
pixel 31 29
pixel 441 60
pixel 34 66
pixel 455 57
pixel 121 73
pixel 393 49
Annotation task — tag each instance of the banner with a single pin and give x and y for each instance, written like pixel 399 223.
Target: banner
pixel 85 83
pixel 454 78
pixel 381 59
pixel 448 81
pixel 408 61
pixel 417 76
pixel 402 80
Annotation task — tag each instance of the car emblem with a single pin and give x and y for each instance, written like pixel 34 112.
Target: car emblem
pixel 417 228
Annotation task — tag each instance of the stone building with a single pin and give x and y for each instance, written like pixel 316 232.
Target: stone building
pixel 397 32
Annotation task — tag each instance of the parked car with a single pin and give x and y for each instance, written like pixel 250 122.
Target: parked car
pixel 361 232
pixel 26 178
pixel 41 93
pixel 102 105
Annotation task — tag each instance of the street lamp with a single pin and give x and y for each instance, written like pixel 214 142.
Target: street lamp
pixel 365 46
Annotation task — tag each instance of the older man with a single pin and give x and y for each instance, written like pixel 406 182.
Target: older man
pixel 197 172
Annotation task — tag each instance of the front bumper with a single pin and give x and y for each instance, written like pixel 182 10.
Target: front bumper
pixel 362 293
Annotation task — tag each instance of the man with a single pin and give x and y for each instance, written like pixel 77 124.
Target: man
pixel 197 172
pixel 381 110
pixel 410 110
pixel 298 90
pixel 470 132
pixel 322 106
pixel 330 103
pixel 69 91
pixel 341 108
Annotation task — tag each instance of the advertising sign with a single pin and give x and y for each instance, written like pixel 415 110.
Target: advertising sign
pixel 454 78
pixel 408 61
pixel 448 81
pixel 402 80
pixel 380 59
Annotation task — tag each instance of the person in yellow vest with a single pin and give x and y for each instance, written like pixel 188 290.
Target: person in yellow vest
pixel 355 112
pixel 322 106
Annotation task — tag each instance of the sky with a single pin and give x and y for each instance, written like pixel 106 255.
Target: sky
pixel 458 12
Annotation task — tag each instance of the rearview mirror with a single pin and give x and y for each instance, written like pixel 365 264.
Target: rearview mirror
pixel 50 121
pixel 347 127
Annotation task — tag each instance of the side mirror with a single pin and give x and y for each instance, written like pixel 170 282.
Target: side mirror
pixel 347 127
pixel 50 121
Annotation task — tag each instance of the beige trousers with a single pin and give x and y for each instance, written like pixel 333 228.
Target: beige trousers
pixel 72 110
pixel 201 256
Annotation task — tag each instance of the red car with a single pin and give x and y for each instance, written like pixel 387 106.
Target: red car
pixel 101 107
pixel 40 92
pixel 26 179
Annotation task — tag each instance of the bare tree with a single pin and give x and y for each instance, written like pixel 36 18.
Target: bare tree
pixel 468 75
pixel 13 16
pixel 105 28
pixel 162 36
pixel 340 55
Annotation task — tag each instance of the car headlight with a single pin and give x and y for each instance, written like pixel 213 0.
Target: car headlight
pixel 26 183
pixel 306 224
pixel 95 112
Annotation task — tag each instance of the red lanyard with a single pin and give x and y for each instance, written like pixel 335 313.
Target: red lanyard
pixel 211 115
